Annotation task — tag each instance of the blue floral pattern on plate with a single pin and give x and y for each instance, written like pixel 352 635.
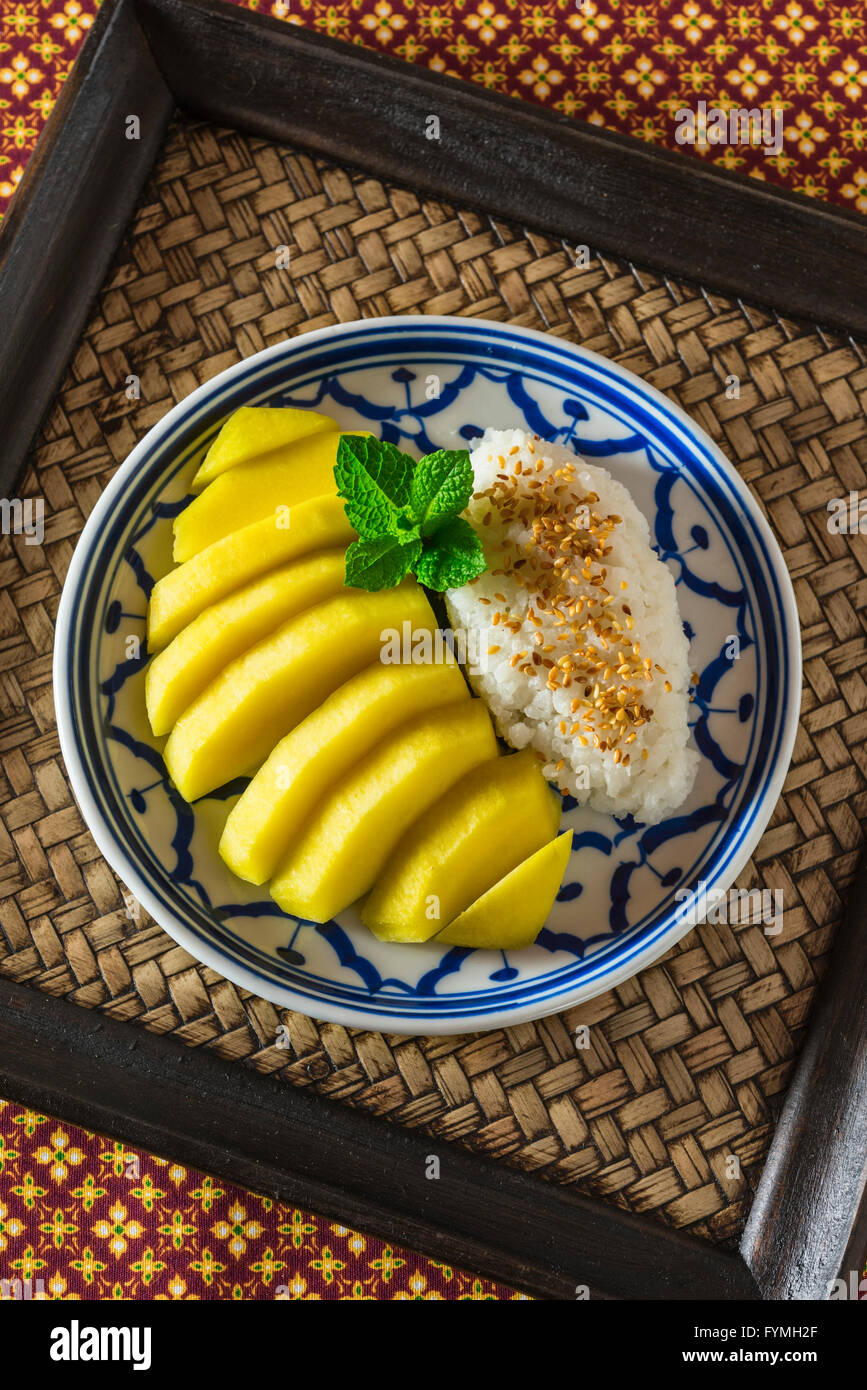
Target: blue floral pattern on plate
pixel 626 896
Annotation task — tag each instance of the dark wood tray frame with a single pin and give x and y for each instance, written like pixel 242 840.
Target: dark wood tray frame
pixel 808 1222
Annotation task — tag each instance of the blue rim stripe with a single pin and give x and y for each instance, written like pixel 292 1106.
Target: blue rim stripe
pixel 234 942
pixel 315 361
pixel 258 956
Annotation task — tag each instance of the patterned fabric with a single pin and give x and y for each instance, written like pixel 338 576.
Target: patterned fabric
pixel 82 1217
pixel 613 62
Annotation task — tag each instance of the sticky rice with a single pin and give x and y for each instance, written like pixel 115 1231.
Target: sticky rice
pixel 583 653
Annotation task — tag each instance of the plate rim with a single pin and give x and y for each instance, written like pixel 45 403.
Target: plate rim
pixel 213 955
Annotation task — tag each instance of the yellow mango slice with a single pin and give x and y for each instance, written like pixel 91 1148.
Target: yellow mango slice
pixel 257 490
pixel 180 672
pixel 348 841
pixel 254 430
pixel 183 593
pixel 512 913
pixel 237 720
pixel 317 754
pixel 496 816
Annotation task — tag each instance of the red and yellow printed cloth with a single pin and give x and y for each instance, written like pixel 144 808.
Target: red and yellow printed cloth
pixel 82 1217
pixel 85 1217
pixel 615 63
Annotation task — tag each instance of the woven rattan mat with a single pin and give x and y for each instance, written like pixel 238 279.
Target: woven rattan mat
pixel 688 1061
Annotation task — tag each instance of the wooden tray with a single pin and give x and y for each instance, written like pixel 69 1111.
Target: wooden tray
pixel 112 266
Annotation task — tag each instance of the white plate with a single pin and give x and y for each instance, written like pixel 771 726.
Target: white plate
pixel 629 892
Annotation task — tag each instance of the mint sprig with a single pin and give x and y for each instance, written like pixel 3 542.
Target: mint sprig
pixel 407 515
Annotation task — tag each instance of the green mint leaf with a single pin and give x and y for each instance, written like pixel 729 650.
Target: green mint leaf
pixel 442 485
pixel 452 557
pixel 407 515
pixel 380 563
pixel 374 478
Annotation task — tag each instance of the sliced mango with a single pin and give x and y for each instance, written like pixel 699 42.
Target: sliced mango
pixel 512 913
pixel 223 631
pixel 497 815
pixel 316 756
pixel 230 729
pixel 256 490
pixel 254 430
pixel 226 565
pixel 347 843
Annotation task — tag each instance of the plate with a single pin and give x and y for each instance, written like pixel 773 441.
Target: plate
pixel 630 891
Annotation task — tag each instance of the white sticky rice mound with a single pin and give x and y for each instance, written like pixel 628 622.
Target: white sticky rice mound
pixel 661 767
